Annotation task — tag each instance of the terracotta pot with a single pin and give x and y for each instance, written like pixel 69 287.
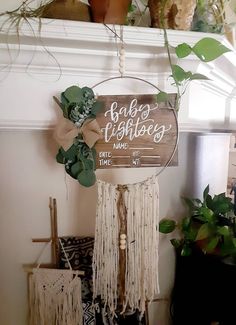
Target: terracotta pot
pixel 67 9
pixel 109 11
pixel 178 14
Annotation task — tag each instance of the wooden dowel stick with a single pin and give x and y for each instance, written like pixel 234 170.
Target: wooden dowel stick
pixel 55 233
pixel 53 236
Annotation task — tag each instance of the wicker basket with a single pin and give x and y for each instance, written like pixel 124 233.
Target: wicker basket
pixel 178 14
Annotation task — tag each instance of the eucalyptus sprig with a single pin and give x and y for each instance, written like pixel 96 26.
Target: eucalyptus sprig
pixel 207 49
pixel 78 106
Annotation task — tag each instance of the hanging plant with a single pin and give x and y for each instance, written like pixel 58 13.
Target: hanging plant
pixel 78 132
pixel 25 14
pixel 209 16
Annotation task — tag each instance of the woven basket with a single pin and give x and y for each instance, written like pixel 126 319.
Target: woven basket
pixel 178 14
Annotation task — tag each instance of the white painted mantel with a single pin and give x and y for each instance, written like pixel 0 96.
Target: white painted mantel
pixel 34 69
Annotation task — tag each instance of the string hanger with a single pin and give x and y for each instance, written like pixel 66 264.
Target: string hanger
pixel 122 53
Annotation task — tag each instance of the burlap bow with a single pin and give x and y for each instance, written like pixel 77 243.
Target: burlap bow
pixel 66 131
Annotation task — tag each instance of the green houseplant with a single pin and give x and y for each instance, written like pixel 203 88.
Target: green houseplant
pixel 205 276
pixel 209 226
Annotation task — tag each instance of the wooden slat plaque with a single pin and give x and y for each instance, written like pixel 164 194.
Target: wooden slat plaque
pixel 137 132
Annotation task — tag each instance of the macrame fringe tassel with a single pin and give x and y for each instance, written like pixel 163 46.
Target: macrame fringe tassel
pixel 141 263
pixel 55 298
pixel 106 249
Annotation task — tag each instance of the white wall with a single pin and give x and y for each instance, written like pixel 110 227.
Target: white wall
pixel 28 176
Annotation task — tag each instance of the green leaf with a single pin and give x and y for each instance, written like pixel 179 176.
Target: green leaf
pixel 183 50
pixel 186 251
pixel 191 234
pixel 162 96
pixel 205 193
pixel 71 153
pixel 60 157
pixel 97 107
pixel 64 105
pixel 228 246
pixel 209 49
pixel 88 164
pixel 198 76
pixel 64 100
pixel 94 155
pixel 207 214
pixel 212 244
pixel 87 178
pixel 185 223
pixel 76 169
pixel 203 232
pixel 73 94
pixel 176 242
pixel 179 74
pixel 224 231
pixel 88 91
pixel 166 226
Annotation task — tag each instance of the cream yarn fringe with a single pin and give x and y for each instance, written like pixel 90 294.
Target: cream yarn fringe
pixel 141 278
pixel 55 297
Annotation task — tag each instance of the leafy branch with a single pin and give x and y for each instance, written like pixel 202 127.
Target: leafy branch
pixel 207 49
pixel 209 227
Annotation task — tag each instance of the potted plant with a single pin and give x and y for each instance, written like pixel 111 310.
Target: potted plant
pixel 209 16
pixel 177 14
pixel 110 11
pixel 67 9
pixel 205 261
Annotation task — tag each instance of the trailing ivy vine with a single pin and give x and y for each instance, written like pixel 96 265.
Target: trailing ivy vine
pixel 207 49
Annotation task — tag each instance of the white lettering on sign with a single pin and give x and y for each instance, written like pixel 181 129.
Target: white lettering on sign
pixel 103 154
pixel 132 126
pixel 120 145
pixel 136 161
pixel 131 111
pixel 105 162
pixel 135 130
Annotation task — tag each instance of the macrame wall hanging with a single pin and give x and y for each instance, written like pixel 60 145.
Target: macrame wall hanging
pixel 125 264
pixel 55 296
pixel 126 250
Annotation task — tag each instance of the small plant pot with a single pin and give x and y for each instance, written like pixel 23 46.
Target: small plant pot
pixel 109 11
pixel 67 9
pixel 177 14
